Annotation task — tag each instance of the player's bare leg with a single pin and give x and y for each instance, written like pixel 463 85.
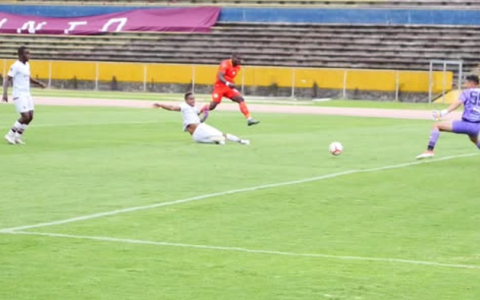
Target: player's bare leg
pixel 212 105
pixel 474 140
pixel 446 126
pixel 244 109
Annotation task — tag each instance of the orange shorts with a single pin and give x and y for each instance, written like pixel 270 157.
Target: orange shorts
pixel 221 91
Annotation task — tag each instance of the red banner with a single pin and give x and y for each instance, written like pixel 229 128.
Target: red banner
pixel 199 19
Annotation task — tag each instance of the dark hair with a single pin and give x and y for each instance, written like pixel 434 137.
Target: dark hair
pixel 473 78
pixel 187 95
pixel 21 50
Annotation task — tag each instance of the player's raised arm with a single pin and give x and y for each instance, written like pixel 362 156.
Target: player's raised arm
pixel 437 115
pixel 39 83
pixel 167 106
pixel 6 83
pixel 454 106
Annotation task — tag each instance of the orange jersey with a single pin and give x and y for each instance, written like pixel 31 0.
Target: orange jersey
pixel 227 68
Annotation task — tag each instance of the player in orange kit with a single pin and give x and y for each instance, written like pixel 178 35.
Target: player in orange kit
pixel 225 87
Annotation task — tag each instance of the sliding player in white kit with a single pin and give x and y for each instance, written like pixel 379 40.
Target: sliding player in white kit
pixel 201 132
pixel 19 74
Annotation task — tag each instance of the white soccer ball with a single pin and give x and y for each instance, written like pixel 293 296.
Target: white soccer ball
pixel 336 148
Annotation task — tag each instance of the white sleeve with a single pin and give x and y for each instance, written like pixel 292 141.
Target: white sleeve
pixel 13 71
pixel 183 106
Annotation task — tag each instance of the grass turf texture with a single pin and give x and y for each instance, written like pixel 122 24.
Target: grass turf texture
pixel 179 97
pixel 86 160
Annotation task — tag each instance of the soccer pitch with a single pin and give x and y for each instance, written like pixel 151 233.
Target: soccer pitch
pixel 116 203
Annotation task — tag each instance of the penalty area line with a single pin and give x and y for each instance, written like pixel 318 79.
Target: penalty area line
pixel 247 250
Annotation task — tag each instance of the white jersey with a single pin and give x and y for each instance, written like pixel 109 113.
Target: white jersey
pixel 20 72
pixel 189 115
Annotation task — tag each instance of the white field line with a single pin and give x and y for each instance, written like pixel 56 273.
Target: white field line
pixel 252 251
pixel 229 192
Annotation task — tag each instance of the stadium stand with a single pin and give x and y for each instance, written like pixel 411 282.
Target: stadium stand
pixel 399 47
pixel 333 39
pixel 351 3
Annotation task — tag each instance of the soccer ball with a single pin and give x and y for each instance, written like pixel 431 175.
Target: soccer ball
pixel 336 148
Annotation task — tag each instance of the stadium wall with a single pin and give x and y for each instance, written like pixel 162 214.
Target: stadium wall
pixel 279 15
pixel 273 81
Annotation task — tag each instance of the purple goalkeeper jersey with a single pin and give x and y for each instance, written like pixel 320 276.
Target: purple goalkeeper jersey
pixel 471 103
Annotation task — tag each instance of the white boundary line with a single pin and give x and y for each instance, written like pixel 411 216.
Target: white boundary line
pixel 229 192
pixel 253 251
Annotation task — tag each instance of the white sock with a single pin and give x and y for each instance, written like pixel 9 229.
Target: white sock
pixel 16 127
pixel 23 127
pixel 232 138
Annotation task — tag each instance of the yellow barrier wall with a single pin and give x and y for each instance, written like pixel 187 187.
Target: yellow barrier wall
pixel 374 80
pixel 449 98
pixel 169 73
pixel 325 78
pixel 121 71
pixel 265 76
pixel 371 80
pixel 206 74
pixel 68 70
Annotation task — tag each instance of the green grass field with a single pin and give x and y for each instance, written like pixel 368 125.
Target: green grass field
pixel 409 232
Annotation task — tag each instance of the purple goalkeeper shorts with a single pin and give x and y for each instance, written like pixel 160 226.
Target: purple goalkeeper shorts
pixel 465 127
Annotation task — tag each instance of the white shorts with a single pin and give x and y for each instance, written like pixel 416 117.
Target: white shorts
pixel 23 103
pixel 207 134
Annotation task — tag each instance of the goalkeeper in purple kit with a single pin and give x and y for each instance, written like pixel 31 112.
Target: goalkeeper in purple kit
pixel 470 122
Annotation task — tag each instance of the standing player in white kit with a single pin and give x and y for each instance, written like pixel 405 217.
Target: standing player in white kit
pixel 201 132
pixel 19 74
